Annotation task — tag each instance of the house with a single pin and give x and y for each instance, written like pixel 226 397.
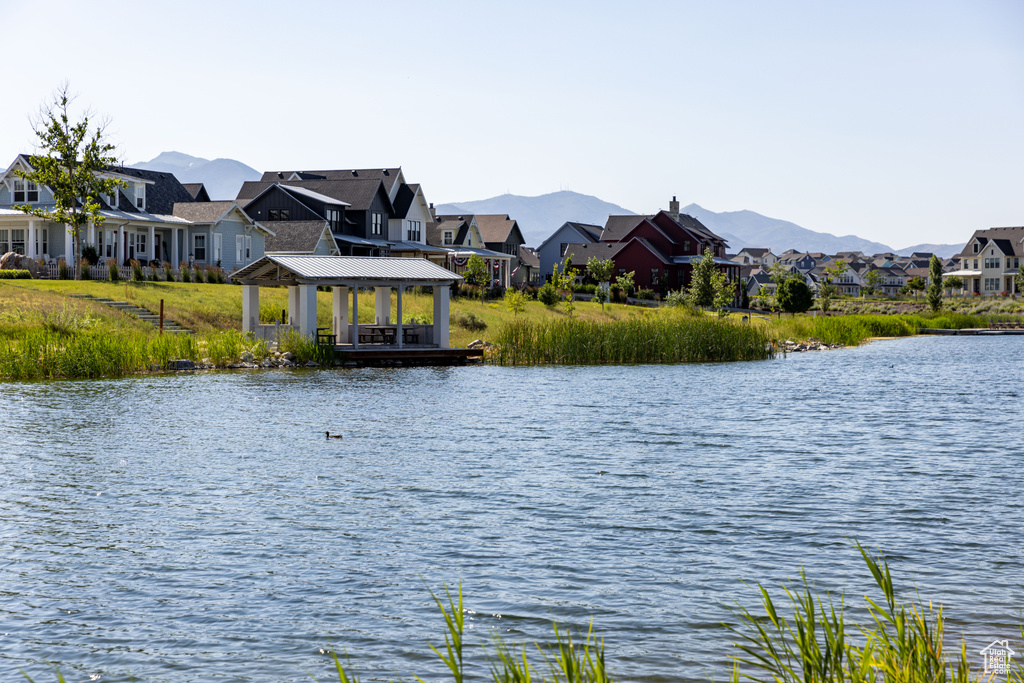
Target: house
pixel 460 238
pixel 294 238
pixel 552 250
pixel 661 248
pixel 220 234
pixel 990 260
pixel 760 256
pixel 529 271
pixel 140 221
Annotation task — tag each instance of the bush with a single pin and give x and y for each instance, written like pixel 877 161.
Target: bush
pixel 677 298
pixel 168 272
pixel 63 272
pixel 185 274
pixel 646 294
pixel 469 321
pixel 86 275
pixel 113 271
pixel 584 289
pixel 137 273
pixel 548 295
pixel 90 254
pixel 15 275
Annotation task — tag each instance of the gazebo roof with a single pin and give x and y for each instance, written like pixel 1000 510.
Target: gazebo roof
pixel 351 271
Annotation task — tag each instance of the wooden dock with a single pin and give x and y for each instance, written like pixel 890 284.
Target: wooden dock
pixel 383 356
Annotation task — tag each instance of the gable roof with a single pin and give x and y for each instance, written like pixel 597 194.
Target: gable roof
pixel 616 227
pixel 300 237
pixel 358 193
pixel 591 233
pixel 581 252
pixel 529 257
pixel 203 212
pixel 404 199
pixel 495 227
pixel 198 191
pixel 163 192
pixel 1007 239
pixel 387 176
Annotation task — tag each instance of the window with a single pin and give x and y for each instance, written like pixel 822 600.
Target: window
pixel 285 214
pixel 32 191
pixel 654 276
pixel 622 271
pixel 273 215
pixel 991 284
pixel 378 224
pixel 199 247
pixel 112 199
pixel 110 243
pixel 1007 262
pixel 5 245
pixel 686 245
pixel 976 247
pixel 99 244
pixel 413 233
pixel 334 218
pixel 46 250
pixel 140 195
pixel 1016 262
pixel 239 249
pixel 218 244
pixel 975 264
pixel 512 249
pixel 140 245
pixel 561 249
pixel 448 238
pixel 248 247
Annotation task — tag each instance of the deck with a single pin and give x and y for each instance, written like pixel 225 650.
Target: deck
pixel 386 355
pixel 974 332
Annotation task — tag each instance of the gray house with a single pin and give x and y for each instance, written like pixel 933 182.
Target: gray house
pixel 552 250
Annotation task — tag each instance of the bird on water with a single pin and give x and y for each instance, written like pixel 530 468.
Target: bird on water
pixel 332 436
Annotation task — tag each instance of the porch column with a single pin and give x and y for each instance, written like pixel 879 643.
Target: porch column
pixel 293 305
pixel 383 305
pixel 69 248
pixel 250 307
pixel 441 315
pixel 307 310
pixel 174 249
pixel 339 305
pixel 92 234
pixel 30 246
pixel 355 317
pixel 119 251
pixel 152 243
pixel 398 332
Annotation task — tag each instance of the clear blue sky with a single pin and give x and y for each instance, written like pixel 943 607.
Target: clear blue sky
pixel 901 122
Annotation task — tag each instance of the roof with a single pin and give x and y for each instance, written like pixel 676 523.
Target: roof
pixel 495 227
pixel 591 233
pixel 581 252
pixel 529 257
pixel 357 193
pixel 1007 239
pixel 404 199
pixel 386 175
pixel 616 227
pixel 306 192
pixel 164 192
pixel 198 191
pixel 756 251
pixel 294 236
pixel 202 212
pixel 343 271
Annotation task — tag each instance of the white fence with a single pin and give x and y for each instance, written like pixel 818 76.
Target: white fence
pixel 53 271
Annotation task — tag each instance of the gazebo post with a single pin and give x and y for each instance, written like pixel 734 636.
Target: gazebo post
pixel 293 305
pixel 307 310
pixel 339 301
pixel 355 317
pixel 382 301
pixel 398 332
pixel 441 315
pixel 250 307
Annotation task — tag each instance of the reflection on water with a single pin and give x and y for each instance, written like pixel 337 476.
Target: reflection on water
pixel 178 528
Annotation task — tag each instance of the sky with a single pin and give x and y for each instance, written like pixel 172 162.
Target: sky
pixel 900 122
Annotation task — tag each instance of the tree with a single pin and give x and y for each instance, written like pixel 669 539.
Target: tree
pixel 935 288
pixel 515 301
pixel 702 283
pixel 827 288
pixel 872 280
pixel 565 281
pixel 916 284
pixel 956 282
pixel 1019 278
pixel 71 158
pixel 476 271
pixel 600 270
pixel 627 282
pixel 794 296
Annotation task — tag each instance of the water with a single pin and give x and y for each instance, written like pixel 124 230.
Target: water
pixel 197 528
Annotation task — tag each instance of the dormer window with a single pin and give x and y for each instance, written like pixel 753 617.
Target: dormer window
pixel 25 191
pixel 140 195
pixel 112 198
pixel 976 247
pixel 449 238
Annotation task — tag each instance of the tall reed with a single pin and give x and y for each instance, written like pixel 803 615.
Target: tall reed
pixel 666 338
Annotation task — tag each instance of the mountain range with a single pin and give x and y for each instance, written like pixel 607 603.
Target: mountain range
pixel 222 177
pixel 540 216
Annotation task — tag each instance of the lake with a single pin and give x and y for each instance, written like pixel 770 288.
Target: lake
pixel 200 527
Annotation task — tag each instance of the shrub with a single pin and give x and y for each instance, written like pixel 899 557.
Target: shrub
pixel 646 294
pixel 15 275
pixel 584 289
pixel 90 254
pixel 63 272
pixel 168 272
pixel 85 265
pixel 113 271
pixel 67 320
pixel 548 295
pixel 470 322
pixel 152 274
pixel 185 273
pixel 137 273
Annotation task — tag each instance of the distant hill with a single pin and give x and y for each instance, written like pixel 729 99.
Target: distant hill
pixel 222 177
pixel 540 216
pixel 940 250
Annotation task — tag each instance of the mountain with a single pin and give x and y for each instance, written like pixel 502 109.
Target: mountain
pixel 222 177
pixel 538 217
pixel 940 250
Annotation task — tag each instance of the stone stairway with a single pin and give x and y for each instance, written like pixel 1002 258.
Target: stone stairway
pixel 141 313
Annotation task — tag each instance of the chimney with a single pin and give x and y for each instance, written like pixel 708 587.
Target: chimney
pixel 673 208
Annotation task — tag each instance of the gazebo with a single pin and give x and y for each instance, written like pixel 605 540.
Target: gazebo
pixel 345 275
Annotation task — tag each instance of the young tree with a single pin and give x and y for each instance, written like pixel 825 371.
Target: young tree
pixel 627 282
pixel 956 282
pixel 702 281
pixel 794 295
pixel 70 158
pixel 476 271
pixel 600 270
pixel 916 284
pixel 725 292
pixel 826 287
pixel 515 301
pixel 872 280
pixel 935 288
pixel 1018 278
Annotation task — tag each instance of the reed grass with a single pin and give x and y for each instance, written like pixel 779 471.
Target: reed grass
pixel 670 337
